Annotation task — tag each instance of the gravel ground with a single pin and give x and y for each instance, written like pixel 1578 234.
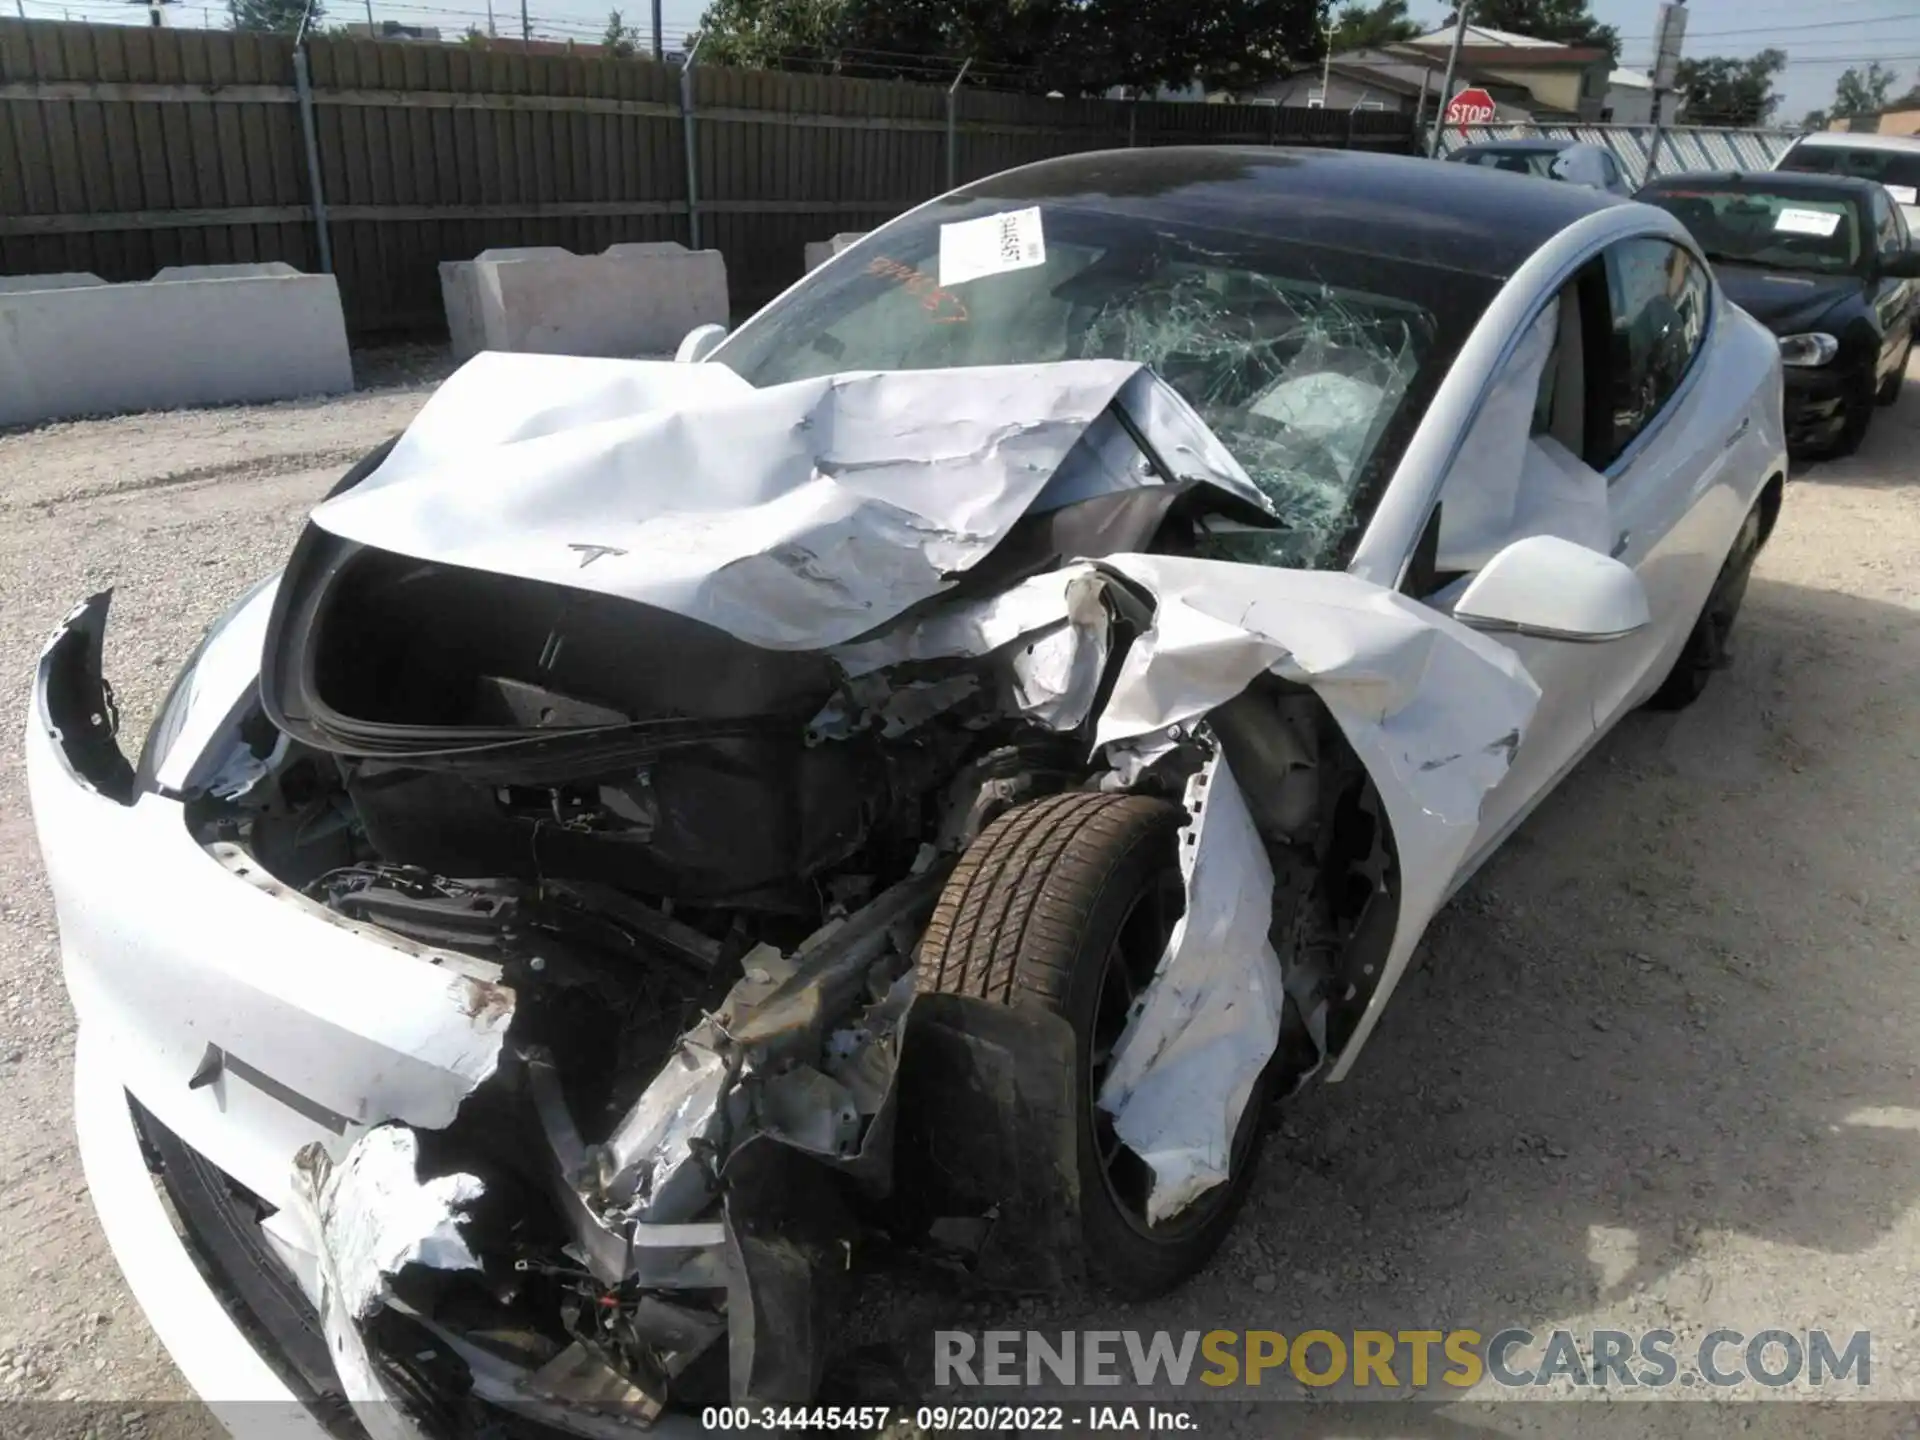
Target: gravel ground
pixel 1656 1067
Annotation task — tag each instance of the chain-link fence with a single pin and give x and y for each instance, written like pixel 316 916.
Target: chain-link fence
pixel 1683 147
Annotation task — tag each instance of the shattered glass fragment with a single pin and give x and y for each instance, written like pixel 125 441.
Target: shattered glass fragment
pixel 1296 381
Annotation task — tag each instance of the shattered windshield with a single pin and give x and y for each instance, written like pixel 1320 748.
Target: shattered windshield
pixel 1311 366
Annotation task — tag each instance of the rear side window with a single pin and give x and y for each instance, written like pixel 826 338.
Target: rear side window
pixel 1519 162
pixel 1657 301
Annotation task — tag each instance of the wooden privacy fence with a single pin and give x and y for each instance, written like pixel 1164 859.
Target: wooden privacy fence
pixel 123 149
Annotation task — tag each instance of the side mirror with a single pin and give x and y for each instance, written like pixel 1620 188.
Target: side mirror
pixel 701 342
pixel 1904 266
pixel 1556 589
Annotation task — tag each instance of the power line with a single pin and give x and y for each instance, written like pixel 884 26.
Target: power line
pixel 1780 29
pixel 1793 58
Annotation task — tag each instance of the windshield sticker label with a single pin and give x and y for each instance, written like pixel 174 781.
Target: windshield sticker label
pixel 1904 194
pixel 1806 222
pixel 991 245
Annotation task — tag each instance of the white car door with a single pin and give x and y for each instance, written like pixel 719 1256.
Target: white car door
pixel 1665 433
pixel 1621 441
pixel 1520 472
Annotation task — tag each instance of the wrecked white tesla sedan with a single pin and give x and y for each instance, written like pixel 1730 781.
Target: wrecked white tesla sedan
pixel 932 772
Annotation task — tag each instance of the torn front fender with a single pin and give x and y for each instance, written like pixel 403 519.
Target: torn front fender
pixel 1433 710
pixel 1186 1066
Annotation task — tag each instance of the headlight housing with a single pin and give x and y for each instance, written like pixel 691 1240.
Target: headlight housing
pixel 1808 350
pixel 170 720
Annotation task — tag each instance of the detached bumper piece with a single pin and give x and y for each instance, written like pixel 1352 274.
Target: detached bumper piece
pixel 76 703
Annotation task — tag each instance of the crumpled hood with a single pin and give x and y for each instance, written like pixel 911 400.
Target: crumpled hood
pixel 794 517
pixel 1786 303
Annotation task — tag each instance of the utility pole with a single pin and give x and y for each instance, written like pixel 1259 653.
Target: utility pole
pixel 526 25
pixel 1669 31
pixel 1326 63
pixel 493 30
pixel 1446 85
pixel 659 46
pixel 370 25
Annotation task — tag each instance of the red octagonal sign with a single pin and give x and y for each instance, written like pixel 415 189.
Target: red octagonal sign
pixel 1470 107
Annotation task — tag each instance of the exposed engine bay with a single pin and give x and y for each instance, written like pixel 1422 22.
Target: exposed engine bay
pixel 702 866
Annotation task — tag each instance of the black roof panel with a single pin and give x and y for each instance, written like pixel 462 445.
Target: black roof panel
pixel 1460 217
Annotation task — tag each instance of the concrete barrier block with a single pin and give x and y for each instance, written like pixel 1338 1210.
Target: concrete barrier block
pixel 66 280
pixel 632 299
pixel 821 251
pixel 193 335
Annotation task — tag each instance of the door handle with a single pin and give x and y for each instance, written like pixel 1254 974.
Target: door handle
pixel 1620 545
pixel 1739 432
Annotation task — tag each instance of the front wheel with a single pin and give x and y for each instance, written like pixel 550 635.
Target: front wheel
pixel 1066 903
pixel 1707 649
pixel 1856 415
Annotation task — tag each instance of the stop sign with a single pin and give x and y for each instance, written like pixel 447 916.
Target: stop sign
pixel 1470 107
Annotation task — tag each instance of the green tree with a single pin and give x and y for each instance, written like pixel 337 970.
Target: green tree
pixel 1719 90
pixel 276 15
pixel 1363 27
pixel 1565 22
pixel 1074 46
pixel 1860 92
pixel 1815 120
pixel 621 40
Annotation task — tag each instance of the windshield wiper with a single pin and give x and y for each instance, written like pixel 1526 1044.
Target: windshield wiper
pixel 1755 262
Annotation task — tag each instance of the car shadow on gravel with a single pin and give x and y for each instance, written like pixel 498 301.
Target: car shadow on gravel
pixel 1672 1018
pixel 1680 1002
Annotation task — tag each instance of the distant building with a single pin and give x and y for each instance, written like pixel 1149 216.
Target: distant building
pixel 1567 82
pixel 1356 80
pixel 1900 118
pixel 1399 80
pixel 1629 99
pixel 1192 91
pixel 394 30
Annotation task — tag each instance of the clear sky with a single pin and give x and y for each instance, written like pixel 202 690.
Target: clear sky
pixel 1845 32
pixel 1821 38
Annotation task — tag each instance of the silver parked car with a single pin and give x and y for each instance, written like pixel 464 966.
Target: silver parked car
pixel 1573 161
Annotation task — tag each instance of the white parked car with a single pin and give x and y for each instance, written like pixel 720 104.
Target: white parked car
pixel 1891 160
pixel 945 762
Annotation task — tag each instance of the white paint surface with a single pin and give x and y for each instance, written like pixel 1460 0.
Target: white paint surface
pixel 796 517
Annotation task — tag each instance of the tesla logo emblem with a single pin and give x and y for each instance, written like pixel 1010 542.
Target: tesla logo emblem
pixel 590 553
